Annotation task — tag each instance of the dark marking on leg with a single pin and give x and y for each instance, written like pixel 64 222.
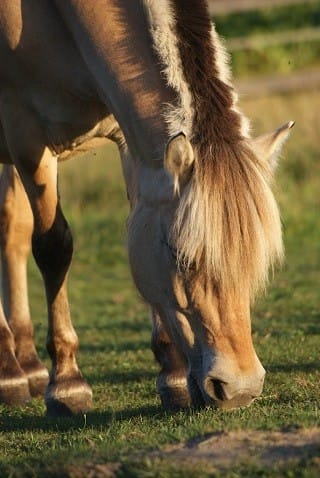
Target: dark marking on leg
pixel 172 381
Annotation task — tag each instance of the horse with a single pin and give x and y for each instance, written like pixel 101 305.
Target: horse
pixel 204 228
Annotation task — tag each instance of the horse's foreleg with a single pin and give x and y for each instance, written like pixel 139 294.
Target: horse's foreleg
pixel 172 380
pixel 52 246
pixel 15 231
pixel 67 391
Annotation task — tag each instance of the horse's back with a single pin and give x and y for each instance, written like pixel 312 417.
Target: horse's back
pixel 41 64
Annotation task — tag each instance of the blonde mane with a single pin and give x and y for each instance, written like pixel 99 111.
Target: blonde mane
pixel 227 226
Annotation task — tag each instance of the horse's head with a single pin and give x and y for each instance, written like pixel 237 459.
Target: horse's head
pixel 198 264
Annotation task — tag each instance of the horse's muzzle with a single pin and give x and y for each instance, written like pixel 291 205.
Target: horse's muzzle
pixel 239 392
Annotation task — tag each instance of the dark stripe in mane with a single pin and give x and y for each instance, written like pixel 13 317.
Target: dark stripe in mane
pixel 227 223
pixel 214 119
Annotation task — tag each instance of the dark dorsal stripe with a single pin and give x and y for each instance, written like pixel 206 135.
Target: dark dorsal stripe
pixel 214 119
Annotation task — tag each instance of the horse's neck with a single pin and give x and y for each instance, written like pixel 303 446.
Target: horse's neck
pixel 117 47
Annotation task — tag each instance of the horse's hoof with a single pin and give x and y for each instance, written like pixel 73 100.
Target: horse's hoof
pixel 38 381
pixel 71 397
pixel 14 391
pixel 173 391
pixel 174 398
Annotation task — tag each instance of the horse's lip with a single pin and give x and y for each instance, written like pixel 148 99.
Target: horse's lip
pixel 241 400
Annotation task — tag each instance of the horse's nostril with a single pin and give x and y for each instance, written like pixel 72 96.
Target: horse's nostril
pixel 218 389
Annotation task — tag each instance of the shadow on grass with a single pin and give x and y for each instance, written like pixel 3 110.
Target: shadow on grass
pixel 294 367
pixel 26 422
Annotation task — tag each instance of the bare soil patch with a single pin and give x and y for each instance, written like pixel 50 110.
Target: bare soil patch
pixel 90 470
pixel 223 450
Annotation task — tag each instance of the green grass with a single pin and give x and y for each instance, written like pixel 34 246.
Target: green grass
pixel 280 59
pixel 114 330
pixel 269 20
pixel 283 58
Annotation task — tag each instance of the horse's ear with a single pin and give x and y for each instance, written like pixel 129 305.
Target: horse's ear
pixel 268 146
pixel 178 160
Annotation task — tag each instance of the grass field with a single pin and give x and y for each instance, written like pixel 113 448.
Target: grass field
pixel 259 25
pixel 113 325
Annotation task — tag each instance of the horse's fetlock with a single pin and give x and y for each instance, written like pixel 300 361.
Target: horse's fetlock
pixel 63 344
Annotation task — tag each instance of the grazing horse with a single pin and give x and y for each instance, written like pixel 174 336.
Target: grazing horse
pixel 204 227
